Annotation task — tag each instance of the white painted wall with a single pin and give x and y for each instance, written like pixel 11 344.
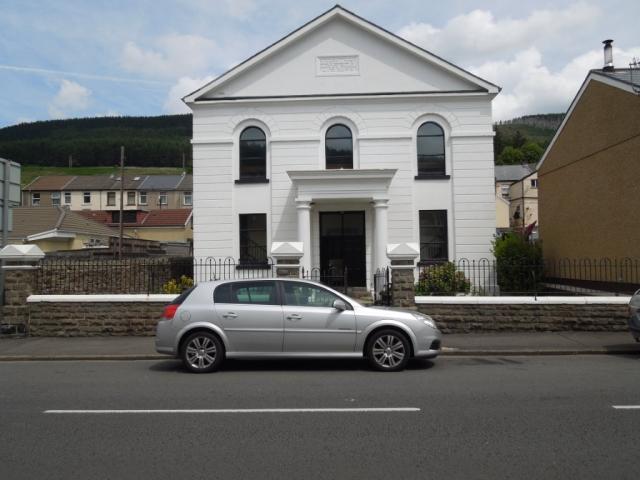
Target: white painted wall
pixel 384 133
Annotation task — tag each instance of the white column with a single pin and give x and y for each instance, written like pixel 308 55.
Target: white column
pixel 304 232
pixel 380 238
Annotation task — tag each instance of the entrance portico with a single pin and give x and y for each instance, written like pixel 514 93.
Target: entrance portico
pixel 345 194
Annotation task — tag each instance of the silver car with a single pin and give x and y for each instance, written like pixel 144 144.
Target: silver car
pixel 288 318
pixel 634 316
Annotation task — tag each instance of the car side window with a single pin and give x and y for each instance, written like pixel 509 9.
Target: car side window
pixel 305 295
pixel 255 293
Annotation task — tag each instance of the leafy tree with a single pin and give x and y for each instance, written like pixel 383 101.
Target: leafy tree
pixel 532 152
pixel 510 156
pixel 519 264
pixel 518 140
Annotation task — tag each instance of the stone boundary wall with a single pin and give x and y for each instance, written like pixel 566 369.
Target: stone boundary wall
pixel 94 315
pixel 464 315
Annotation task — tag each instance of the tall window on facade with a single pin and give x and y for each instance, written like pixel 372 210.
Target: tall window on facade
pixel 86 198
pixel 163 198
pixel 433 236
pixel 67 198
pixel 338 147
pixel 131 198
pixel 187 198
pixel 111 199
pixel 55 199
pixel 253 154
pixel 253 238
pixel 430 150
pixel 142 198
pixel 35 199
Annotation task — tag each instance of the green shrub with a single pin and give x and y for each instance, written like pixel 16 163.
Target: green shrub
pixel 519 264
pixel 442 279
pixel 177 286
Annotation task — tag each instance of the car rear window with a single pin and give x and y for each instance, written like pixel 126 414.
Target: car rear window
pixel 258 293
pixel 183 296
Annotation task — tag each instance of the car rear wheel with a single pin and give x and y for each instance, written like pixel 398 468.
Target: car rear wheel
pixel 202 352
pixel 388 351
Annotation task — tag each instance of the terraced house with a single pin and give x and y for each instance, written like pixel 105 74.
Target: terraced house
pixel 102 192
pixel 348 144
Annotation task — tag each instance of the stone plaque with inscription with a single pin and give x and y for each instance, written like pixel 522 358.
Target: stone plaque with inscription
pixel 337 65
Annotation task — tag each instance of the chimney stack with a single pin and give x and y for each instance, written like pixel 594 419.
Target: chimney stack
pixel 608 56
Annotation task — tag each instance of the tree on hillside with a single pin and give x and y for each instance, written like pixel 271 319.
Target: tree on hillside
pixel 510 156
pixel 532 152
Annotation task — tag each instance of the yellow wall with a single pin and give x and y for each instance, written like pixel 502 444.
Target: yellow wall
pixel 589 184
pixel 162 234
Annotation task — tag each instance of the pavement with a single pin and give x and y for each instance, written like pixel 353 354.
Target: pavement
pixel 489 344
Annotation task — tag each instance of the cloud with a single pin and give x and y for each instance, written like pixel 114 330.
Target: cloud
pixel 90 76
pixel 479 34
pixel 71 97
pixel 240 9
pixel 530 87
pixel 184 86
pixel 171 56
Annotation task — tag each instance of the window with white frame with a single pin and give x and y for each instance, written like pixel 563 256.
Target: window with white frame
pixel 55 199
pixel 111 199
pixel 86 198
pixel 142 198
pixel 187 198
pixel 131 198
pixel 504 190
pixel 35 199
pixel 67 198
pixel 534 183
pixel 163 198
pixel 434 243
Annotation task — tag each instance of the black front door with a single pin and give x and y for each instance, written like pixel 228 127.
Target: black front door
pixel 342 245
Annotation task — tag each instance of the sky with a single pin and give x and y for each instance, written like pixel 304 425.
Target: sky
pixel 78 58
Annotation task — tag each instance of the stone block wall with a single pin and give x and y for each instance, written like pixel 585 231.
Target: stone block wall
pixel 86 319
pixel 483 318
pixel 18 284
pixel 403 287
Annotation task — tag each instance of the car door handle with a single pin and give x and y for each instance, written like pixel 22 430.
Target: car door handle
pixel 230 315
pixel 294 316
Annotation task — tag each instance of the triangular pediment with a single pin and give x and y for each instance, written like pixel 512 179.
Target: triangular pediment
pixel 340 53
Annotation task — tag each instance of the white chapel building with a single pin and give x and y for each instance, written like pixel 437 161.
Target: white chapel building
pixel 346 143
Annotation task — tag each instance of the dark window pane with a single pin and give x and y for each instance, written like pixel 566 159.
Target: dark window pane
pixel 302 294
pixel 431 165
pixel 430 128
pixel 260 293
pixel 430 146
pixel 253 153
pixel 339 147
pixel 433 235
pixel 339 131
pixel 253 238
pixel 222 294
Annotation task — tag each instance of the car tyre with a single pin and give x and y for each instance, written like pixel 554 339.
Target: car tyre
pixel 388 351
pixel 202 352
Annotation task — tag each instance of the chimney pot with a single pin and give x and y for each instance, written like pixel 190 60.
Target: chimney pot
pixel 608 56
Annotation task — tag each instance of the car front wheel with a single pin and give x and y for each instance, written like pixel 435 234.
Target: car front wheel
pixel 202 352
pixel 388 351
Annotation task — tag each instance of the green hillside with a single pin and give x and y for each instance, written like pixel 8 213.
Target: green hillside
pixel 162 141
pixel 149 141
pixel 524 139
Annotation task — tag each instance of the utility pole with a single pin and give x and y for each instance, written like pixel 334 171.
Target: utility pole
pixel 70 161
pixel 184 164
pixel 121 201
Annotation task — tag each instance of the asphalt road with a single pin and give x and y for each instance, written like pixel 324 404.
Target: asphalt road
pixel 489 417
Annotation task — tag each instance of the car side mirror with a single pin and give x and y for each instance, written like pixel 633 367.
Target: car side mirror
pixel 339 305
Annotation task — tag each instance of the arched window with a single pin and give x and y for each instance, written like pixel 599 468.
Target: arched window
pixel 431 150
pixel 253 154
pixel 338 147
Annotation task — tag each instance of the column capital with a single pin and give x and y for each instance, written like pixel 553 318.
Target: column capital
pixel 303 204
pixel 380 202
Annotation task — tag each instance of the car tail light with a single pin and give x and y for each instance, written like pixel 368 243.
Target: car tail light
pixel 170 311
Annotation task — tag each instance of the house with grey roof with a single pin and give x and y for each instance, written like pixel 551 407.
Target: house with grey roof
pixel 102 192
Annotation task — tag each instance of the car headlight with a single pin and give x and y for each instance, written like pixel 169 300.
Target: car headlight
pixel 426 319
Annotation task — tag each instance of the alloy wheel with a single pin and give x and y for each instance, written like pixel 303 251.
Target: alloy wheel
pixel 388 351
pixel 201 352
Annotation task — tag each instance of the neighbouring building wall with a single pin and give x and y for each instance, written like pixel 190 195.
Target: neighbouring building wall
pixel 589 182
pixel 523 206
pixel 161 234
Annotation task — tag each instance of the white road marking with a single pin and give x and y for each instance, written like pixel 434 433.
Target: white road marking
pixel 626 407
pixel 243 410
